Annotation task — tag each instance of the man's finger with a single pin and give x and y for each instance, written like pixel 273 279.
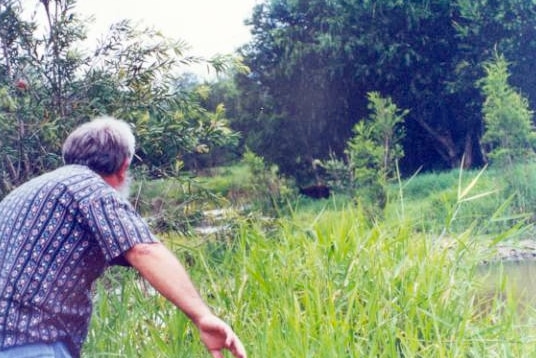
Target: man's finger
pixel 216 353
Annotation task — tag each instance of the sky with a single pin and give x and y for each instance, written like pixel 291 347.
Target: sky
pixel 209 26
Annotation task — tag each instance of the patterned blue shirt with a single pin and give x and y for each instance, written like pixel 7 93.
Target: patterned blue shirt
pixel 58 233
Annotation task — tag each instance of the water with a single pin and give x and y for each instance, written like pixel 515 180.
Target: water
pixel 514 279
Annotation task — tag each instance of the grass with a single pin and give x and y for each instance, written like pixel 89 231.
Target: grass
pixel 328 282
pixel 489 200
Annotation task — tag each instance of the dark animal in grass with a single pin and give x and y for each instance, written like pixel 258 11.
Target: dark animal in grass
pixel 318 191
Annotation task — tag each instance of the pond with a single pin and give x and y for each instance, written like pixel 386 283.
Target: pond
pixel 516 279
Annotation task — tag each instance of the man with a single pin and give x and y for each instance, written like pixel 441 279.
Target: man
pixel 61 230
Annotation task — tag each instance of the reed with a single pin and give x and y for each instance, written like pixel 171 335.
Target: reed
pixel 331 286
pixel 330 283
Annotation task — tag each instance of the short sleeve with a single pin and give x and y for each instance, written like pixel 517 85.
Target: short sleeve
pixel 116 226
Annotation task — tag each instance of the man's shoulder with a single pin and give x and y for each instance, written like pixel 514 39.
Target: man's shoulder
pixel 68 177
pixel 71 172
pixel 72 180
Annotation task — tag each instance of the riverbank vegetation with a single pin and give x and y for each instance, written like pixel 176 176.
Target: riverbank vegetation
pixel 416 117
pixel 326 280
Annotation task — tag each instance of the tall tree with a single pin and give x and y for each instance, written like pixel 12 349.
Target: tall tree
pixel 302 96
pixel 38 67
pixel 509 135
pixel 314 61
pixel 49 84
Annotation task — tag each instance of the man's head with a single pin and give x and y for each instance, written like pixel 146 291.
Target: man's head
pixel 104 145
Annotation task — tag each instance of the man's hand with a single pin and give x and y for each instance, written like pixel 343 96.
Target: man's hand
pixel 166 274
pixel 217 336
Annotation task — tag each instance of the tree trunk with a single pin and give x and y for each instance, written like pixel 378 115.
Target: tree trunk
pixel 445 146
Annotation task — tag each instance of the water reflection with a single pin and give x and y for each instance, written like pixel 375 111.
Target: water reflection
pixel 513 279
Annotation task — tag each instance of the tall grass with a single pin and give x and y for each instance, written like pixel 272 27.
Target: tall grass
pixel 326 281
pixel 327 285
pixel 495 200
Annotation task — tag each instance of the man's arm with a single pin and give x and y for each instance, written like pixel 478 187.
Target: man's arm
pixel 165 273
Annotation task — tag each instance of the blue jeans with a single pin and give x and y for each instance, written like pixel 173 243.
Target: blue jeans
pixel 39 350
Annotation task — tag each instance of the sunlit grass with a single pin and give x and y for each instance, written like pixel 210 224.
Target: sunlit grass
pixel 324 280
pixel 330 286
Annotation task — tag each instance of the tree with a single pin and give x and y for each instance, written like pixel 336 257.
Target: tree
pixel 509 138
pixel 314 61
pixel 301 93
pixel 375 149
pixel 509 135
pixel 135 77
pixel 37 77
pixel 48 85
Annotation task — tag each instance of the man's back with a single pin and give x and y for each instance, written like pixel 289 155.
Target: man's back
pixel 57 235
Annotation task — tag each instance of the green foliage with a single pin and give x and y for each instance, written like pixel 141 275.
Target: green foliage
pixel 422 185
pixel 519 182
pixel 509 135
pixel 175 204
pixel 180 132
pixel 221 94
pixel 325 286
pixel 486 200
pixel 327 281
pixel 122 300
pixel 312 63
pixel 266 185
pixel 48 85
pixel 37 77
pixel 375 150
pixel 139 68
pixel 338 174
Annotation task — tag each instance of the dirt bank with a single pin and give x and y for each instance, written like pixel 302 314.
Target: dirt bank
pixel 517 251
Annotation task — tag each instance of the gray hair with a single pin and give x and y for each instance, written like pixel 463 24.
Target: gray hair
pixel 102 144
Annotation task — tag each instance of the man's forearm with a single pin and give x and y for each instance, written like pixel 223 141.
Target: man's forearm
pixel 165 273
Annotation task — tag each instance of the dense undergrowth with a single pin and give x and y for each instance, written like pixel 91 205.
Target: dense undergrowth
pixel 324 279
